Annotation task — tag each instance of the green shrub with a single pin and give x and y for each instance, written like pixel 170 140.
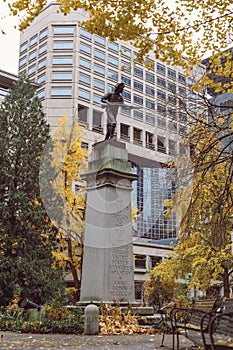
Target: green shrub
pixel 52 319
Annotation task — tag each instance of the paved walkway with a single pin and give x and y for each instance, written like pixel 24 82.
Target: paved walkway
pixel 20 341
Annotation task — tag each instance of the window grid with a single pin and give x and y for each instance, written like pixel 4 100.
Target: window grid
pixel 61 91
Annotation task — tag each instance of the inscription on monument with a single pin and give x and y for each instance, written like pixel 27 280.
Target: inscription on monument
pixel 120 268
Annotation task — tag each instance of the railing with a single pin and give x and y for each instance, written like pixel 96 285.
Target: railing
pixel 161 149
pixel 125 137
pixel 137 142
pixel 98 129
pixel 150 145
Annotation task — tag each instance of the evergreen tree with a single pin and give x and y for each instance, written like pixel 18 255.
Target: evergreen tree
pixel 27 237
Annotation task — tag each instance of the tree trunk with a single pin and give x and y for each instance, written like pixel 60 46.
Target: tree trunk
pixel 226 283
pixel 73 269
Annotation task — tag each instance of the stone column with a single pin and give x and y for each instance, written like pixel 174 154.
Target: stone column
pixel 108 272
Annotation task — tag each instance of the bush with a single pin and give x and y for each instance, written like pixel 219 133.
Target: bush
pixel 52 319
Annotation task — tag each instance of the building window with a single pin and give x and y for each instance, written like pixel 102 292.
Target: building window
pixel 99 54
pixel 171 113
pixel 150 119
pixel 171 73
pixel 150 77
pixel 43 33
pixel 138 71
pixel 140 261
pixel 42 49
pixel 62 60
pixel 161 82
pixel 149 140
pixel 126 81
pixel 171 86
pixel 111 88
pixel 137 136
pixel 172 100
pixel 85 48
pixel 113 46
pixel 172 126
pixel 138 99
pixel 161 144
pixel 161 108
pixel 41 93
pixel 113 75
pixel 42 63
pixel 99 84
pixel 126 95
pixel 97 98
pixel 150 91
pixel 33 40
pixel 84 94
pixel 86 34
pixel 84 63
pixel 182 91
pixel 182 117
pixel 113 60
pixel 155 260
pixel 22 61
pixel 97 122
pixel 99 40
pixel 150 64
pixel 125 67
pixel 23 47
pixel 161 95
pixel 138 85
pixel 61 91
pixel 126 52
pixel 41 78
pixel 99 69
pixel 32 55
pixel 82 113
pixel 63 30
pixel 126 111
pixel 84 78
pixel 161 123
pixel 181 78
pixel 161 69
pixel 138 114
pixel 63 45
pixel 150 104
pixel 124 130
pixel 31 69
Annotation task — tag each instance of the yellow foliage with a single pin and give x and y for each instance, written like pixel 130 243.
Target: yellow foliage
pixel 69 160
pixel 113 320
pixel 173 30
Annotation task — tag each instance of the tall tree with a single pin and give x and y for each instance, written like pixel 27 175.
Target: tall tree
pixel 63 193
pixel 204 245
pixel 27 236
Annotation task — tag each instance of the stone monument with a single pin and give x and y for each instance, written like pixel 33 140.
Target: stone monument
pixel 108 268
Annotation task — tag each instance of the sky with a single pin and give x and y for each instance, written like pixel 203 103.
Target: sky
pixel 9 42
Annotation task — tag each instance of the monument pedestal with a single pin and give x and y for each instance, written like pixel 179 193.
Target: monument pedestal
pixel 108 269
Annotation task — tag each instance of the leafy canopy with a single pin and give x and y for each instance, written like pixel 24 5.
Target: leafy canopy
pixel 204 246
pixel 170 29
pixel 63 193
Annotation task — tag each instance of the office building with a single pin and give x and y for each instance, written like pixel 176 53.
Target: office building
pixel 6 82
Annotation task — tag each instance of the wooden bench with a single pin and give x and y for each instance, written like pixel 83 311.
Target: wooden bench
pixel 220 332
pixel 191 322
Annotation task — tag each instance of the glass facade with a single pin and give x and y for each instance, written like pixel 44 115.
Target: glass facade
pixel 153 187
